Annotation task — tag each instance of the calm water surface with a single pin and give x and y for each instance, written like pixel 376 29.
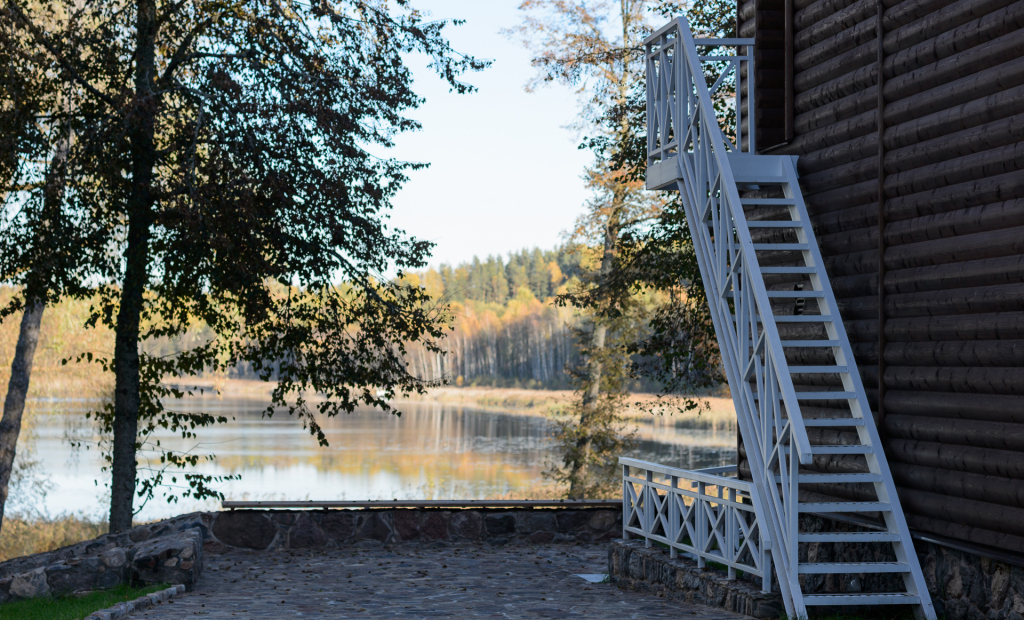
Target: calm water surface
pixel 432 451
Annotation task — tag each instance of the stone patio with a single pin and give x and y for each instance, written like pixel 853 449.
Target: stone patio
pixel 372 580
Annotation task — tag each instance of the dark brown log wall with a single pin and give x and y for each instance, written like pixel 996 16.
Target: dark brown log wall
pixel 953 163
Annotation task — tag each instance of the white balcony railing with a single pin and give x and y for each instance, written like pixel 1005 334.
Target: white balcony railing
pixel 701 513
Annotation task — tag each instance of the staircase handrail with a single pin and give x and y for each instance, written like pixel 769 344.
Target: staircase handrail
pixel 705 113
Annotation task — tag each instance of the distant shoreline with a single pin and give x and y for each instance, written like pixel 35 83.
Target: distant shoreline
pixel 720 413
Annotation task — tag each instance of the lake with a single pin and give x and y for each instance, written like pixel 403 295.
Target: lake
pixel 433 451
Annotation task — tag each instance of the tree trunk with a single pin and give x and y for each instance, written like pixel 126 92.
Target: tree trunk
pixel 595 365
pixel 127 397
pixel 17 388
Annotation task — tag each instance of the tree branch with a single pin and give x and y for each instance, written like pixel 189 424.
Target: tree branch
pixel 41 39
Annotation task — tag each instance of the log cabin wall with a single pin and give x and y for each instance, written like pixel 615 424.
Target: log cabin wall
pixel 953 232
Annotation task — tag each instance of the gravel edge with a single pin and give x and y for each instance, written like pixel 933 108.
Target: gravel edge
pixel 143 602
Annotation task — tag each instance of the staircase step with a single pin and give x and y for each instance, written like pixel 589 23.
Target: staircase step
pixel 834 478
pixel 758 179
pixel 848 537
pixel 846 568
pixel 768 202
pixel 775 224
pixel 794 294
pixel 810 343
pixel 818 370
pixel 803 318
pixel 842 450
pixel 844 507
pixel 859 598
pixel 822 422
pixel 785 270
pixel 781 247
pixel 825 395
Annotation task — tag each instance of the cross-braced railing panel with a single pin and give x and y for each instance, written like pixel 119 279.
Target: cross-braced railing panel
pixel 701 513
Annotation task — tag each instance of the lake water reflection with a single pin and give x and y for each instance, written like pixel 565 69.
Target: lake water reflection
pixel 432 451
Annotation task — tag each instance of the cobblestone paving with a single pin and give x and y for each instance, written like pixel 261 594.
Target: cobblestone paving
pixel 412 582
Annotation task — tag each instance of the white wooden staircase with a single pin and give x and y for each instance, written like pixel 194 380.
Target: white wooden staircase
pixel 799 398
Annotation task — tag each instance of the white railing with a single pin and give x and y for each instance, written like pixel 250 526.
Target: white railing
pixel 683 123
pixel 669 113
pixel 701 513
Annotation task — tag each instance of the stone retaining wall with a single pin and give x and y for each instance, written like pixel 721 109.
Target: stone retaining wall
pixel 166 552
pixel 962 585
pixel 171 551
pixel 633 566
pixel 258 529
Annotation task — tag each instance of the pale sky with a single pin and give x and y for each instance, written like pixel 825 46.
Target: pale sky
pixel 505 172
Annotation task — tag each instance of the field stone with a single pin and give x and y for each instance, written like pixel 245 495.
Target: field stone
pixel 603 520
pixel 537 522
pixel 306 534
pixel 340 525
pixel 435 526
pixel 467 525
pixel 406 524
pixel 86 574
pixel 30 585
pixel 570 520
pixel 498 525
pixel 159 560
pixel 375 528
pixel 114 558
pixel 249 530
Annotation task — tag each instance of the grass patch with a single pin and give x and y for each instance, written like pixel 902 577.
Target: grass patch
pixel 73 607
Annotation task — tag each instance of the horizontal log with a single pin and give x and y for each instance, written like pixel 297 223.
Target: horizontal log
pixel 984 461
pixel 985 515
pixel 939 200
pixel 986 112
pixel 979 487
pixel 967 194
pixel 959 146
pixel 960 380
pixel 988 435
pixel 960 531
pixel 745 10
pixel 971 194
pixel 995 489
pixel 982 407
pixel 996 216
pixel 800 5
pixel 954 353
pixel 959 52
pixel 856 137
pixel 976 300
pixel 824 19
pixel 993 162
pixel 817 11
pixel 836 54
pixel 950 250
pixel 953 80
pixel 935 330
pixel 986 272
pixel 830 25
pixel 861 234
pixel 925 40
